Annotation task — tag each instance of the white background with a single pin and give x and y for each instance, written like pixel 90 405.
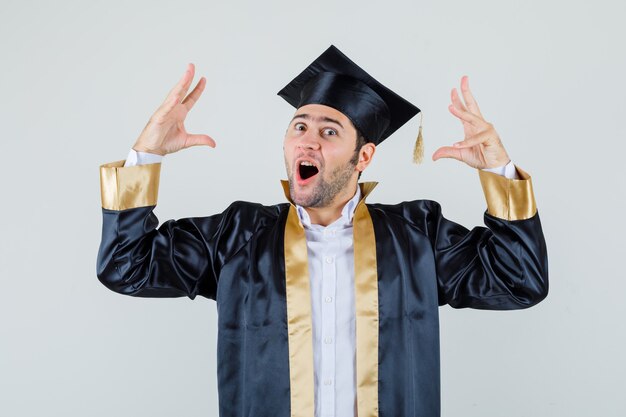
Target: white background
pixel 79 80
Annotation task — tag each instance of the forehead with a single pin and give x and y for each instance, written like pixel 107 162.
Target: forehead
pixel 321 112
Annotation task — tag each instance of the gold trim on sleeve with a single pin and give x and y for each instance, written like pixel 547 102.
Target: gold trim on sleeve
pixel 124 188
pixel 506 198
pixel 366 299
pixel 299 318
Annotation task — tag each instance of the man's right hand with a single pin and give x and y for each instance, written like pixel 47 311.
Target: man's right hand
pixel 165 132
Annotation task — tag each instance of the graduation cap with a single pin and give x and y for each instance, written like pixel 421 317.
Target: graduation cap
pixel 334 80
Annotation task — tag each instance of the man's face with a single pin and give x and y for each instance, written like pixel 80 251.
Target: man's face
pixel 320 156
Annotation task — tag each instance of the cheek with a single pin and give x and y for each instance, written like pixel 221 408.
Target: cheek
pixel 287 143
pixel 287 151
pixel 290 146
pixel 338 155
pixel 288 154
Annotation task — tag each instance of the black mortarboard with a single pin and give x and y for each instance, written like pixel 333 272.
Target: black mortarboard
pixel 335 81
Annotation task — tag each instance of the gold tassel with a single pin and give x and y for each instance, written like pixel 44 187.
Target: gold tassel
pixel 418 150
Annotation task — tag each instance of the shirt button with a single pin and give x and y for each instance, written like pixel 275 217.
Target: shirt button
pixel 329 259
pixel 329 299
pixel 328 340
pixel 328 382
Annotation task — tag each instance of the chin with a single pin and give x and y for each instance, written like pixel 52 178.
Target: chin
pixel 304 198
pixel 299 197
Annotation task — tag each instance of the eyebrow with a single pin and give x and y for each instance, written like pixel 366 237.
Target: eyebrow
pixel 309 117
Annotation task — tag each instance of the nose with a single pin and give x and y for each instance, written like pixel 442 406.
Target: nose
pixel 309 140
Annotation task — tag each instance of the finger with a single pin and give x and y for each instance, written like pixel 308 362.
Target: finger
pixel 456 100
pixel 477 139
pixel 197 140
pixel 447 152
pixel 192 98
pixel 180 89
pixel 468 97
pixel 185 82
pixel 173 97
pixel 466 116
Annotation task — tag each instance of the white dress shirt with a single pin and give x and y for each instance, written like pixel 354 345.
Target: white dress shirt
pixel 331 271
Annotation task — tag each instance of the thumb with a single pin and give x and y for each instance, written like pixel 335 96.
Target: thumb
pixel 195 140
pixel 447 152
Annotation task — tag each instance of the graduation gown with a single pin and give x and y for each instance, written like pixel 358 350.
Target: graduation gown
pixel 252 260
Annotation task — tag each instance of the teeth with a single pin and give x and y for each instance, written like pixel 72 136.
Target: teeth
pixel 306 163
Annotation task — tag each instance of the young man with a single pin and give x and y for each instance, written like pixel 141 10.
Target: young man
pixel 327 306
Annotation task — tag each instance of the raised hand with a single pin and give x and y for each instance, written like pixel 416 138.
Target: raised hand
pixel 165 132
pixel 482 147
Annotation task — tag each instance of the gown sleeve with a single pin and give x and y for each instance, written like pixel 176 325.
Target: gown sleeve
pixel 502 266
pixel 180 258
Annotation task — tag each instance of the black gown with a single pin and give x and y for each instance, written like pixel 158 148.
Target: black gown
pixel 251 259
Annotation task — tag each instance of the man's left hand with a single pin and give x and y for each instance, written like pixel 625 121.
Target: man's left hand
pixel 482 147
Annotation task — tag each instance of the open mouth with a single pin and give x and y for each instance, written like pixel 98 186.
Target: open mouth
pixel 307 169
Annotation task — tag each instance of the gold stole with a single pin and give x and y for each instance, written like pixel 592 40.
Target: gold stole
pixel 300 330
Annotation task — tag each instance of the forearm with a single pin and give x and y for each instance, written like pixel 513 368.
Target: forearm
pixel 502 266
pixel 135 258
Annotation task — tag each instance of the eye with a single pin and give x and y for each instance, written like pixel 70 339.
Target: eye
pixel 299 126
pixel 330 132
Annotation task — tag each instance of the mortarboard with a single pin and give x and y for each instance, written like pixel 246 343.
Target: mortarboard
pixel 336 81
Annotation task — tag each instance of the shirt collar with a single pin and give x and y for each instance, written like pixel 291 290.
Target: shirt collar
pixel 347 213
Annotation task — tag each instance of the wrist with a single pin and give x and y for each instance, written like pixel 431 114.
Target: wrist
pixel 141 148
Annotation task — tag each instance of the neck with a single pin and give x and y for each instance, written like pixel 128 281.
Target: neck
pixel 327 215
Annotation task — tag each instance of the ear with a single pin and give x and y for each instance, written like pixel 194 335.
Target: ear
pixel 365 156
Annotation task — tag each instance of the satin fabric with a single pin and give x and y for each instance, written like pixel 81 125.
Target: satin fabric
pixel 123 188
pixel 509 199
pixel 299 319
pixel 367 314
pixel 238 259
